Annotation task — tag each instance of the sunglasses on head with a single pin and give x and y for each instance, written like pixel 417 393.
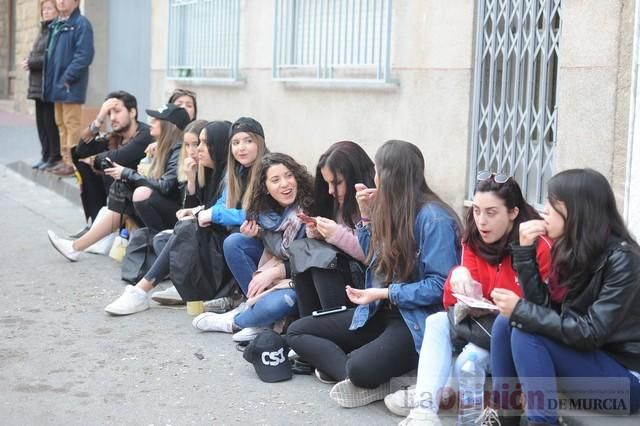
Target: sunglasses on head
pixel 497 177
pixel 184 92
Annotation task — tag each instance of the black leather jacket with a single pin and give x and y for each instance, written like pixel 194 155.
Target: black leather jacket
pixel 167 185
pixel 603 315
pixel 36 62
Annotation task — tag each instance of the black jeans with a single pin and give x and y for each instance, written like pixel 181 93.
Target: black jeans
pixel 370 356
pixel 157 212
pixel 160 268
pixel 48 131
pixel 319 289
pixel 93 187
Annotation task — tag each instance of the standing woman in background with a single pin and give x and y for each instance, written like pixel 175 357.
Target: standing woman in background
pixel 45 116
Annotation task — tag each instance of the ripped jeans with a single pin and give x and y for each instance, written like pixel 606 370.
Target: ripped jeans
pixel 270 308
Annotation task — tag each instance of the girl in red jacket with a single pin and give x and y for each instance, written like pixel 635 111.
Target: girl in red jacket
pixel 491 226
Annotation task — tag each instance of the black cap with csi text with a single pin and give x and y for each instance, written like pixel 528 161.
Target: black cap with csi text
pixel 268 354
pixel 171 113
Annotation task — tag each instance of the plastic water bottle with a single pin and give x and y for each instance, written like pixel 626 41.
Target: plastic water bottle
pixel 120 244
pixel 144 165
pixel 470 391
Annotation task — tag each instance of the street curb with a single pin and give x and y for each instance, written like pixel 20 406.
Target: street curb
pixel 66 187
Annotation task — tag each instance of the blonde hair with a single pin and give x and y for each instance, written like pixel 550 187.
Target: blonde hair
pixel 194 128
pixel 42 2
pixel 235 187
pixel 169 136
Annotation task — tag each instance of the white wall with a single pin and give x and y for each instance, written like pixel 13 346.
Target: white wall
pixel 432 57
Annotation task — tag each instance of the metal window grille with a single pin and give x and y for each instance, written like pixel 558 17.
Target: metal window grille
pixel 204 40
pixel 515 85
pixel 332 40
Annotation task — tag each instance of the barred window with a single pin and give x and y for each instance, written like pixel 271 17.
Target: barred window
pixel 332 40
pixel 203 40
pixel 515 120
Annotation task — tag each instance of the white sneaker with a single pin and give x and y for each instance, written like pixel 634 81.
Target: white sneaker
pixel 324 377
pixel 131 301
pixel 348 395
pixel 170 296
pixel 209 321
pixel 401 401
pixel 421 418
pixel 65 247
pixel 247 334
pixel 292 355
pixel 219 305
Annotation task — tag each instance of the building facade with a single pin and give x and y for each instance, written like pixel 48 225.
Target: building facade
pixel 525 87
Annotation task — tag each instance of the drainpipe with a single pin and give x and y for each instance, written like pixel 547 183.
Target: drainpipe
pixel 634 122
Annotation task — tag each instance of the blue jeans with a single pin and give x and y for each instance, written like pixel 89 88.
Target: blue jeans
pixel 242 255
pixel 270 308
pixel 537 361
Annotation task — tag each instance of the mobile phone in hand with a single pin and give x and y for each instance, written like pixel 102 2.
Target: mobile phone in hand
pixel 107 162
pixel 329 311
pixel 307 219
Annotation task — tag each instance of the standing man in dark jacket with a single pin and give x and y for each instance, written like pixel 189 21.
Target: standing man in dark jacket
pixel 124 145
pixel 69 54
pixel 45 118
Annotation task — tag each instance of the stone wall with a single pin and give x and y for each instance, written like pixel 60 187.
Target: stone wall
pixel 27 28
pixel 4 48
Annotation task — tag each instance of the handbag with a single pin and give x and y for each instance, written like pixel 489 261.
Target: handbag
pixel 139 256
pixel 476 330
pixel 120 198
pixel 197 267
pixel 308 253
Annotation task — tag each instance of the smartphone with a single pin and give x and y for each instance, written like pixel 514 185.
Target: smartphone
pixel 307 219
pixel 108 162
pixel 329 311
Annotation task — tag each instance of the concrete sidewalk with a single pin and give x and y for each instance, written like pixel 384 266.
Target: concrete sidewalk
pixel 20 148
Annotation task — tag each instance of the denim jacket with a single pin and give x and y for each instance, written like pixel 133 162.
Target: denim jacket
pixel 69 54
pixel 438 252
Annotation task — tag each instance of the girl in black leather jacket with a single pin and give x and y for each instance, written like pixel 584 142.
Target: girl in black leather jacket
pixel 589 346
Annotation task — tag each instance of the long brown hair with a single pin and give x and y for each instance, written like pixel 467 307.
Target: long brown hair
pixel 261 200
pixel 591 223
pixel 169 136
pixel 195 127
pixel 511 194
pixel 402 192
pixel 240 188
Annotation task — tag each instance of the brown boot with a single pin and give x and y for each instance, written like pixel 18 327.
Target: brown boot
pixel 62 169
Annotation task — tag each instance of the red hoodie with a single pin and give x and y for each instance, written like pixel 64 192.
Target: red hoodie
pixel 501 275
